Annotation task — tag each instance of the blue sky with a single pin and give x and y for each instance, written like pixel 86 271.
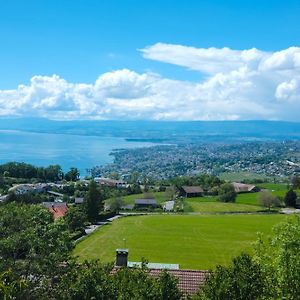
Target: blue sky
pixel 82 40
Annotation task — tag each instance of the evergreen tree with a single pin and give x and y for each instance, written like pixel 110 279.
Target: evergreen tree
pixel 290 198
pixel 93 202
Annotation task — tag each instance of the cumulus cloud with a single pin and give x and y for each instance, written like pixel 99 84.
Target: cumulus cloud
pixel 239 84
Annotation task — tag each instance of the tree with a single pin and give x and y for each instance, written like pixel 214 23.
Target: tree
pixel 72 175
pixel 114 175
pixel 116 204
pixel 167 287
pixel 134 188
pixel 227 193
pixel 295 182
pixel 92 280
pixel 290 198
pixel 32 245
pixel 93 202
pixel 280 260
pixel 2 181
pixel 75 219
pixel 53 173
pixel 243 280
pixel 266 199
pixel 170 193
pixel 12 286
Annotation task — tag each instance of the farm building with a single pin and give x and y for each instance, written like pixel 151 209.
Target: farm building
pixel 192 191
pixel 145 203
pixel 245 188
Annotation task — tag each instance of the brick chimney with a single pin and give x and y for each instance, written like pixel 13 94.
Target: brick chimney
pixel 121 257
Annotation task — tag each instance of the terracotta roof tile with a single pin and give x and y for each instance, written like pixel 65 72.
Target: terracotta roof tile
pixel 188 280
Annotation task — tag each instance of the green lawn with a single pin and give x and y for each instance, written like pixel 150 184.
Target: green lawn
pixel 244 203
pixel 247 198
pixel 219 207
pixel 273 186
pixel 193 241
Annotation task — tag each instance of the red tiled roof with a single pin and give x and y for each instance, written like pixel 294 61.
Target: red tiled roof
pixel 188 280
pixel 242 187
pixel 58 211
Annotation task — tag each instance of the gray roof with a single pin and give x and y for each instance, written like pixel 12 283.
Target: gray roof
pixel 54 204
pixel 79 200
pixel 192 189
pixel 146 201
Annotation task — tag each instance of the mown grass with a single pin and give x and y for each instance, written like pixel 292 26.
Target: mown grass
pixel 193 241
pixel 245 202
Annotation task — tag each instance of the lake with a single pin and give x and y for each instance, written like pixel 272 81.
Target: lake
pixel 43 149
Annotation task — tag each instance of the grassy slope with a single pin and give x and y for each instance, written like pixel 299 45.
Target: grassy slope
pixel 195 242
pixel 246 202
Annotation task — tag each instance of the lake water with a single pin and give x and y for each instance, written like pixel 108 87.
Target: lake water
pixel 43 149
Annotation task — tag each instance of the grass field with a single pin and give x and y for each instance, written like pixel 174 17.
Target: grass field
pixel 246 202
pixel 218 207
pixel 193 241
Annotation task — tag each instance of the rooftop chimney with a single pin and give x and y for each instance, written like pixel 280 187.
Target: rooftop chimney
pixel 121 257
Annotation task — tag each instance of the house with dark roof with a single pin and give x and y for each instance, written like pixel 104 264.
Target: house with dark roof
pixel 192 191
pixel 189 281
pixel 145 203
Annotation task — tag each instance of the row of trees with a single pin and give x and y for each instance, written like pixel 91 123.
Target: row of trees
pixel 267 199
pixel 28 171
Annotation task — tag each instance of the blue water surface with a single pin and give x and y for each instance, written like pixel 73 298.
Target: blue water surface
pixel 43 149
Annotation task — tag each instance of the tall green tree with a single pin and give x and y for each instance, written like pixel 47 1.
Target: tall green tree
pixel 290 198
pixel 280 260
pixel 243 280
pixel 72 175
pixel 93 202
pixel 227 193
pixel 75 219
pixel 32 245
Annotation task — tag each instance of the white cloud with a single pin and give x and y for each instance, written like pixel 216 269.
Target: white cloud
pixel 239 84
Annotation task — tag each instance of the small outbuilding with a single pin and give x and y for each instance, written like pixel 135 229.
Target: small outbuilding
pixel 145 203
pixel 192 191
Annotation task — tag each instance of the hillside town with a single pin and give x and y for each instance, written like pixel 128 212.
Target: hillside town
pixel 269 159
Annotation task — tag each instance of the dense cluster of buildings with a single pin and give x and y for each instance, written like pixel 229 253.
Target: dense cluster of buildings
pixel 270 159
